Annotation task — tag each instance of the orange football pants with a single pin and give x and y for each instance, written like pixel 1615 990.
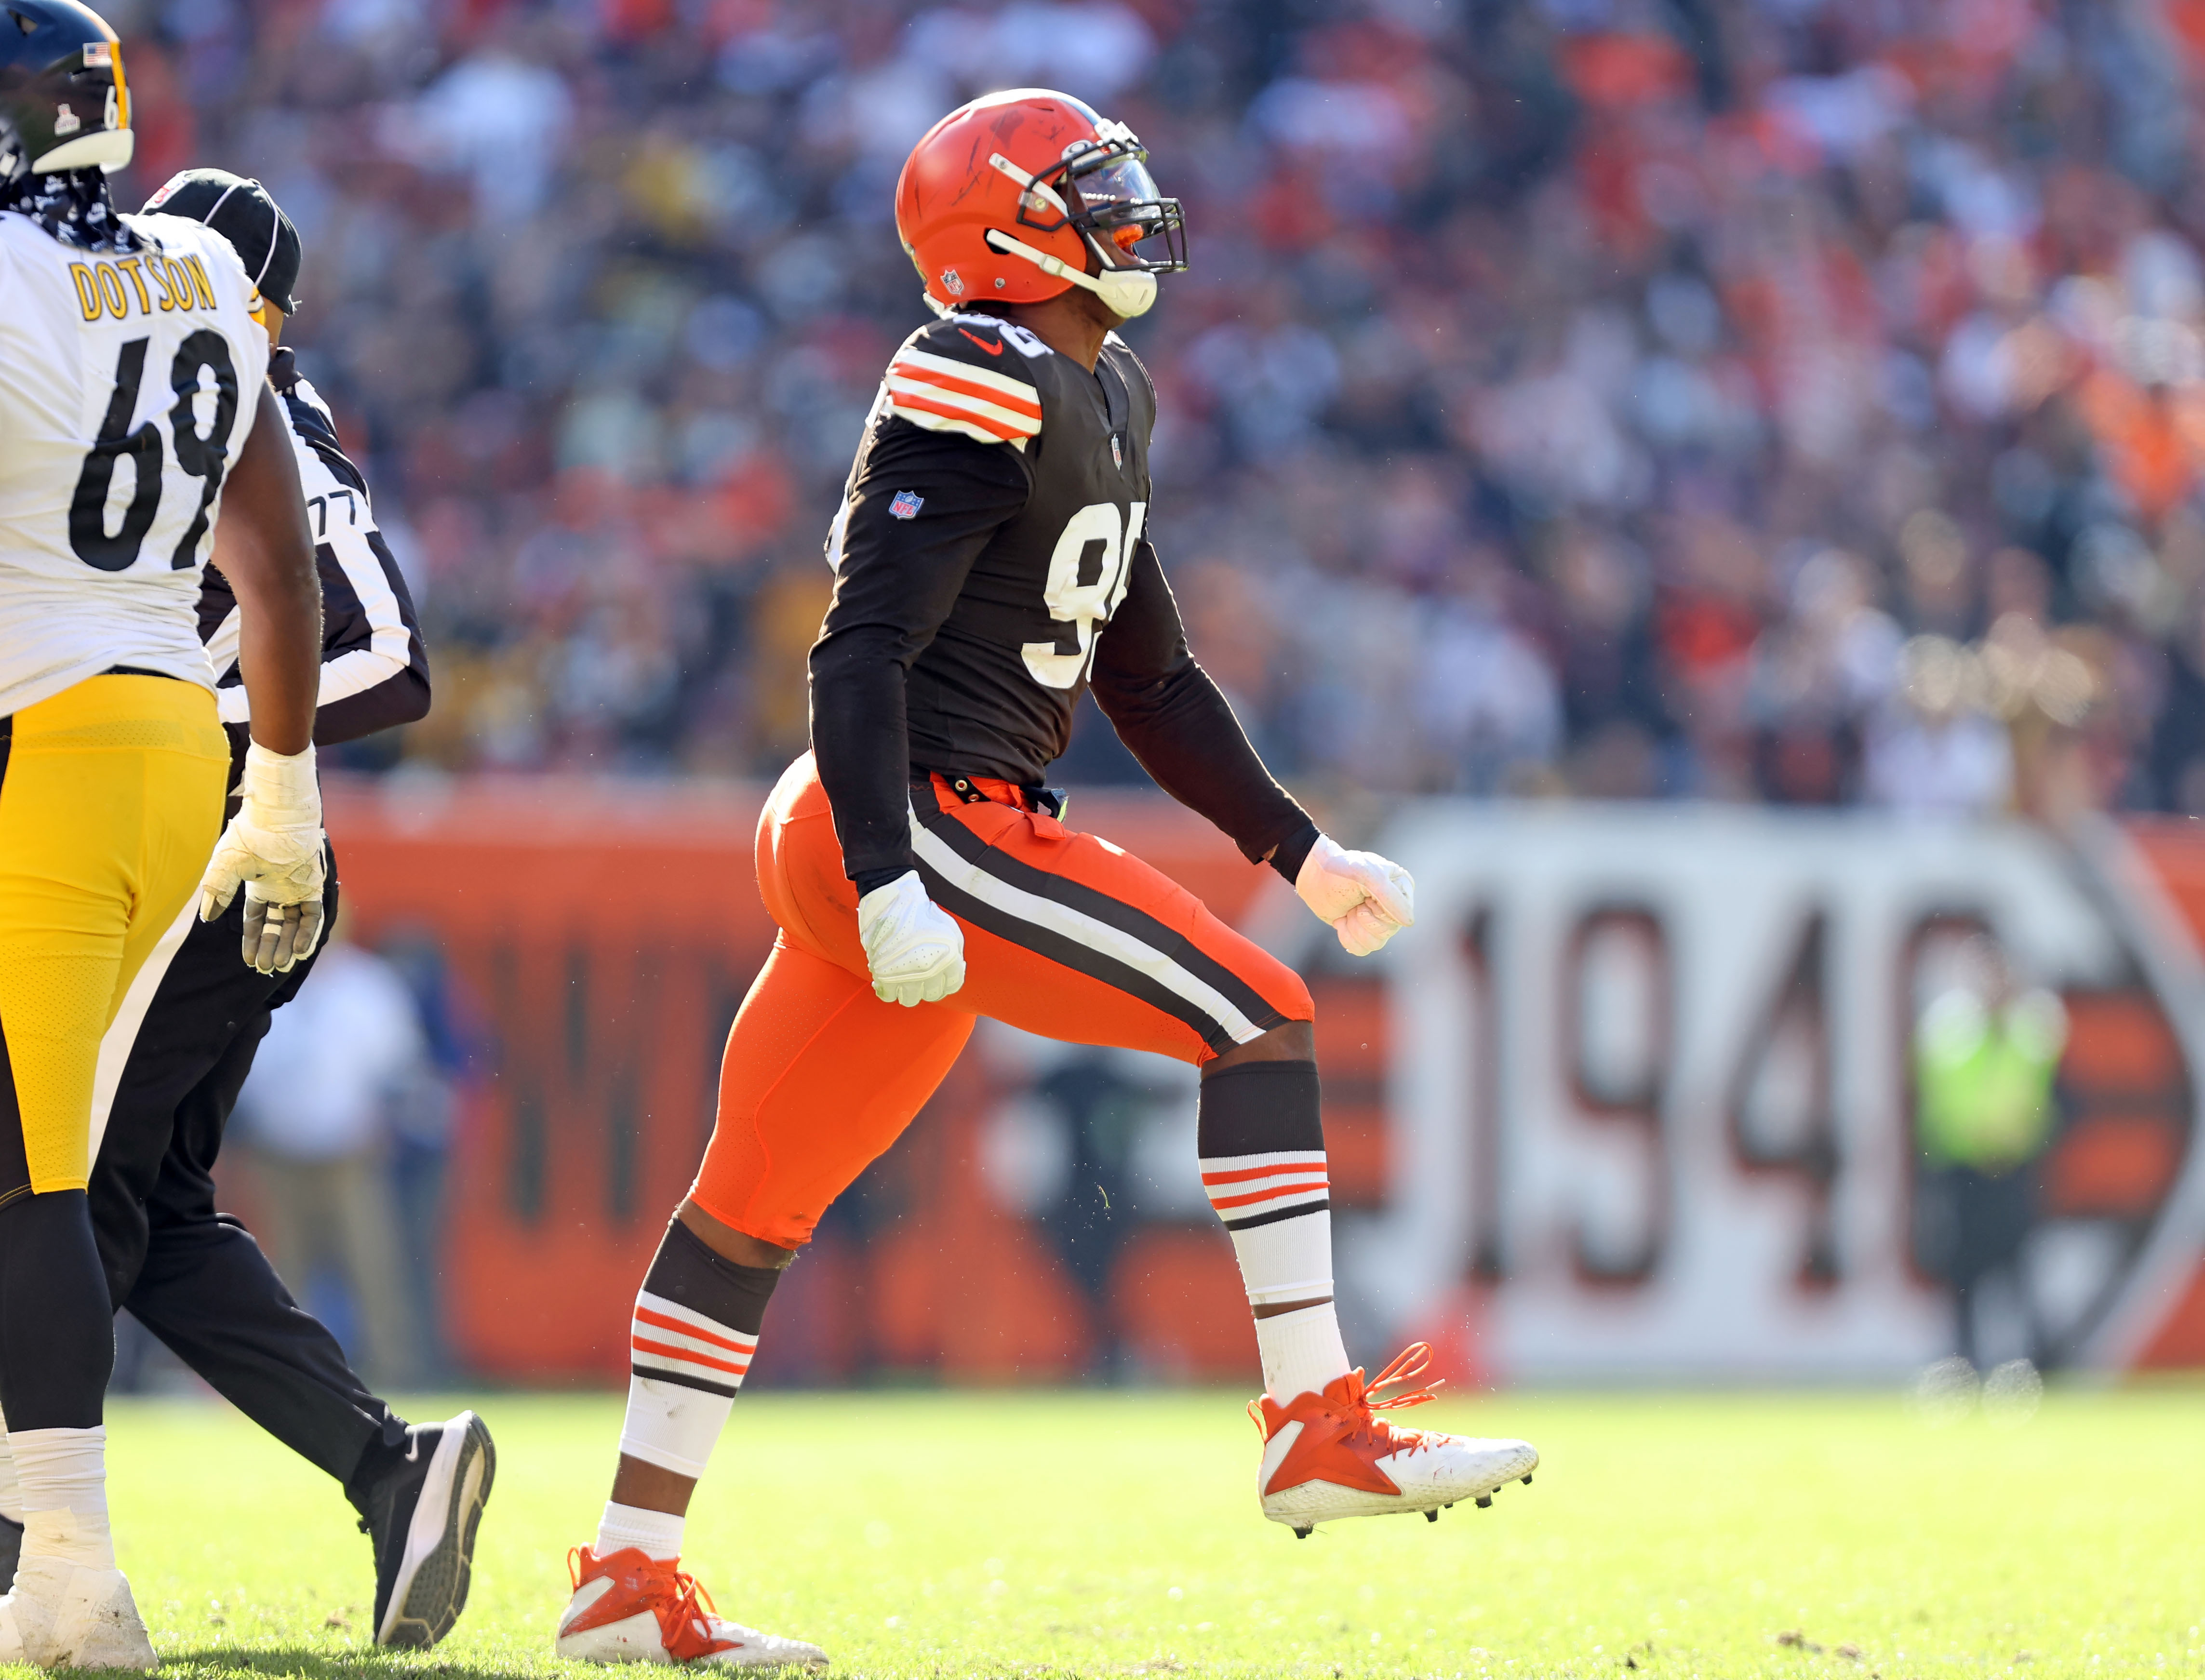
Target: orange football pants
pixel 1064 936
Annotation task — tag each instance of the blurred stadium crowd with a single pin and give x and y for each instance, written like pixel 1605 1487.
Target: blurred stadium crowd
pixel 1786 400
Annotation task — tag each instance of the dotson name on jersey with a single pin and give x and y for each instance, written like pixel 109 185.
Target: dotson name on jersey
pixel 129 379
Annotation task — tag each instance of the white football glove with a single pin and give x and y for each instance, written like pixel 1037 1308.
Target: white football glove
pixel 273 845
pixel 1366 899
pixel 914 948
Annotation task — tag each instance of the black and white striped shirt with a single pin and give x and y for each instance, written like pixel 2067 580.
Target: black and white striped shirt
pixel 375 669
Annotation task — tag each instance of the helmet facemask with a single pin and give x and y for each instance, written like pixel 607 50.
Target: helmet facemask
pixel 1118 209
pixel 1103 191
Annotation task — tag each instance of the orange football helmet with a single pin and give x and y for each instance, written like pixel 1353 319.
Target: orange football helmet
pixel 1006 197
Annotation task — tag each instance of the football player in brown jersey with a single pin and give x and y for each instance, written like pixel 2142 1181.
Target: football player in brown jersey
pixel 993 561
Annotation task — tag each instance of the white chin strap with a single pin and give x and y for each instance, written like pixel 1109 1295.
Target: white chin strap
pixel 1127 292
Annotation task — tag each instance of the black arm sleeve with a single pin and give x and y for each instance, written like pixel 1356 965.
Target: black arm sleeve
pixel 897 581
pixel 1174 719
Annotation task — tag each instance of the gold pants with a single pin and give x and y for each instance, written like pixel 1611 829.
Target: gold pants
pixel 110 803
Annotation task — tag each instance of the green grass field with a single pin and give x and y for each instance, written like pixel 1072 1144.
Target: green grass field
pixel 942 1535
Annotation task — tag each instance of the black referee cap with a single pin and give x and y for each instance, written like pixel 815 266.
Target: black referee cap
pixel 242 212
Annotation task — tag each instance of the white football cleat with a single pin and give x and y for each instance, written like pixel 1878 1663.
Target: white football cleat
pixel 1330 1454
pixel 629 1607
pixel 64 1615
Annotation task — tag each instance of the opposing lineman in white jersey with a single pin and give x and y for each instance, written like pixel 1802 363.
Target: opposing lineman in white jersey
pixel 134 420
pixel 127 379
pixel 180 1047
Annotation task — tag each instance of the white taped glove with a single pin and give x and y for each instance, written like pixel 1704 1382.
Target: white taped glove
pixel 914 947
pixel 1366 899
pixel 273 846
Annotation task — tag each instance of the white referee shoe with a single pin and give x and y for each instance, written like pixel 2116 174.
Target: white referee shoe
pixel 65 1615
pixel 629 1607
pixel 1329 1455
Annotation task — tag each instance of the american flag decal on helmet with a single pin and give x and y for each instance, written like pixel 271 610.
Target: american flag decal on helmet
pixel 906 505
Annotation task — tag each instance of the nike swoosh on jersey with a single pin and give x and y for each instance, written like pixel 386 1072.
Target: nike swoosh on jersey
pixel 995 349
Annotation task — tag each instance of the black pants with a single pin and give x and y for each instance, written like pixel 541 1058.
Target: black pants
pixel 1978 1225
pixel 191 1275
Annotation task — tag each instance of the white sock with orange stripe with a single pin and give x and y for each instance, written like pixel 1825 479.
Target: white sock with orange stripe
pixel 696 1326
pixel 1262 1141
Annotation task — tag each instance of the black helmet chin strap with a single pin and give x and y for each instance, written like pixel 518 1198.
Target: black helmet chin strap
pixel 75 207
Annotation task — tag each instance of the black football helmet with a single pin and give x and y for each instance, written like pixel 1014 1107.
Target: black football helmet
pixel 63 102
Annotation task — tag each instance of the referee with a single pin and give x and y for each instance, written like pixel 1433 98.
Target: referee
pixel 171 1066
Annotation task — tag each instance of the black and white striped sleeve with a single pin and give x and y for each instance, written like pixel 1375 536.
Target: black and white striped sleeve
pixel 375 668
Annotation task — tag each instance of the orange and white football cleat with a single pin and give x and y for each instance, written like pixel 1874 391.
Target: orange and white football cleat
pixel 630 1607
pixel 1331 1455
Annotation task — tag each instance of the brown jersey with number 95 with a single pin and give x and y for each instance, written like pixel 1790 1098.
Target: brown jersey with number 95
pixel 994 544
pixel 1008 486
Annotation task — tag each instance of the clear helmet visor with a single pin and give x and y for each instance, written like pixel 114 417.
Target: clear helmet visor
pixel 1117 180
pixel 1122 200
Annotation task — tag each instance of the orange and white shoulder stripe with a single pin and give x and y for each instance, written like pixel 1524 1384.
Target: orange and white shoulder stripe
pixel 944 394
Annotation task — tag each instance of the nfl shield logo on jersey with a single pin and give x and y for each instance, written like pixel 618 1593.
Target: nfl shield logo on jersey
pixel 905 504
pixel 1117 458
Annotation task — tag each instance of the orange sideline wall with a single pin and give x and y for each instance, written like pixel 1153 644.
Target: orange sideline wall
pixel 602 936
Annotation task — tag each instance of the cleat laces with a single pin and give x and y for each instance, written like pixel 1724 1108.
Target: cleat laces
pixel 1342 1438
pixel 685 1610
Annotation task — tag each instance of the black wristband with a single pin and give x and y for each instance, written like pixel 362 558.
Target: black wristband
pixel 868 880
pixel 1290 853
